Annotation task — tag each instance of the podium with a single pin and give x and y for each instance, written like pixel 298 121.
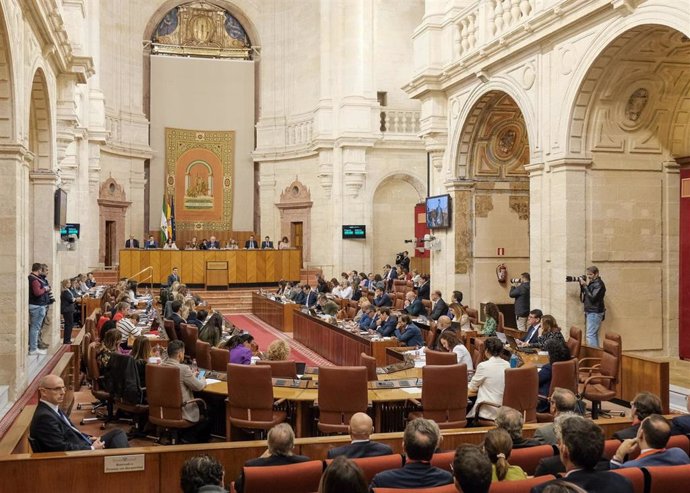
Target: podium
pixel 217 273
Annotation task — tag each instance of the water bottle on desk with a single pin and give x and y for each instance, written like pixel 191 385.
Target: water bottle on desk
pixel 514 360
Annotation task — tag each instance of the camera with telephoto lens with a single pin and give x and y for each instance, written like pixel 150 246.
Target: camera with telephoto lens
pixel 51 298
pixel 516 280
pixel 575 278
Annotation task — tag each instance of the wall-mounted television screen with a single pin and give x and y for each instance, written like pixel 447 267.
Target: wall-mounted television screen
pixel 354 232
pixel 60 208
pixel 70 229
pixel 438 212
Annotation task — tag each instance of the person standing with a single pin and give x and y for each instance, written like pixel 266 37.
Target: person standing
pixel 38 305
pixel 520 291
pixel 67 308
pixel 592 292
pixel 173 277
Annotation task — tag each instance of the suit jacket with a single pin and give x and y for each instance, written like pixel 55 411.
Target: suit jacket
pixel 301 298
pixel 664 457
pixel 172 278
pixel 594 482
pixel 175 317
pixel 132 244
pixel 680 425
pixel 188 384
pixel 545 435
pixel 52 434
pixel 311 298
pixel 213 244
pixel 412 475
pixel 416 308
pixel 273 460
pixel 383 300
pixel 360 449
pixel 439 309
pixel 149 244
pixel 251 244
pixel 553 465
pixel 532 334
pixel 525 443
pixel 387 328
pixel 424 291
pixel 266 244
pixel 625 433
pixel 521 295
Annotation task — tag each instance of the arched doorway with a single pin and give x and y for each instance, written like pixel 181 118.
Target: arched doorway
pixel 629 121
pixel 491 201
pixel 393 213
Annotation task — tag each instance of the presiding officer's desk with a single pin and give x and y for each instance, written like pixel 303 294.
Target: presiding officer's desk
pixel 275 313
pixel 243 266
pixel 340 346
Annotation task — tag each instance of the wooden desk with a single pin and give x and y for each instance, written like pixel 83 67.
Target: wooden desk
pixel 337 345
pixel 274 313
pixel 244 266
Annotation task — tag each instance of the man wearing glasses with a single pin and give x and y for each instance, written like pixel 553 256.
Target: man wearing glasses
pixel 52 431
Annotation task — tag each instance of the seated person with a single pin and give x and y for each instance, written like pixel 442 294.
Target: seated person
pixel 644 404
pixel 108 325
pixel 386 323
pixel 141 352
pixel 202 473
pixel 241 349
pixel 365 322
pixel 498 446
pixel 281 442
pixel 381 298
pixel 212 330
pixel 471 469
pixel 420 440
pixel 534 325
pixel 511 420
pixel 450 343
pixel 680 425
pixel 278 350
pixel 327 306
pixel 413 305
pixel 488 382
pixel 302 294
pixel 343 475
pixel 490 320
pixel 562 402
pixel 189 383
pixel 54 432
pixel 121 311
pixel 360 428
pixel 581 444
pixel 651 440
pixel 558 351
pixel 440 307
pixel 127 327
pixel 439 327
pixel 550 330
pixel 110 344
pixel 407 333
pixel 176 306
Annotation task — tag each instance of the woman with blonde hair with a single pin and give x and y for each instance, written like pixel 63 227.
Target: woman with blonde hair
pixel 498 445
pixel 278 350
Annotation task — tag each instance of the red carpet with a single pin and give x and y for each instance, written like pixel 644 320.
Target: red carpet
pixel 264 334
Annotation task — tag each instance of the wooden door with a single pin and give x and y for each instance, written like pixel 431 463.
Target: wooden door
pixel 296 232
pixel 110 242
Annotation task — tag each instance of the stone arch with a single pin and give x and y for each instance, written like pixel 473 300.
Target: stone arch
pixel 416 183
pixel 7 99
pixel 610 40
pixel 464 116
pixel 40 141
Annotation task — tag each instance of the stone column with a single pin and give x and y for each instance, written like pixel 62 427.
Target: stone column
pixel 539 238
pixel 564 209
pixel 671 254
pixel 457 244
pixel 267 199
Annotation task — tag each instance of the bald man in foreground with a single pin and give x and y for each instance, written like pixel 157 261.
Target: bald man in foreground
pixel 52 431
pixel 361 426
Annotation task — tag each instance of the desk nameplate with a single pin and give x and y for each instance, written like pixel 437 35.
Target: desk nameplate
pixel 123 463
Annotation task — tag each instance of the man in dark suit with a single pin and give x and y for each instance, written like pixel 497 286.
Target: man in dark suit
pixel 381 298
pixel 52 431
pixel 651 440
pixel 534 323
pixel 281 442
pixel 520 291
pixel 405 261
pixel 301 298
pixel 471 469
pixel 391 275
pixel 423 291
pixel 173 277
pixel 267 243
pixel 132 242
pixel 581 444
pixel 361 427
pixel 386 322
pixel 439 307
pixel 681 425
pixel 644 404
pixel 420 440
pixel 212 244
pixel 312 296
pixel 251 243
pixel 562 402
pixel 175 315
pixel 413 305
pixel 151 243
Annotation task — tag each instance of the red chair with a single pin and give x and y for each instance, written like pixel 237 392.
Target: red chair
pixel 665 479
pixel 294 478
pixel 449 488
pixel 528 458
pixel 442 460
pixel 610 447
pixel 440 358
pixel 635 475
pixel 371 466
pixel 522 486
pixel 680 441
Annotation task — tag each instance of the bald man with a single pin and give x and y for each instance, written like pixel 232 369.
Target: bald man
pixel 52 430
pixel 361 427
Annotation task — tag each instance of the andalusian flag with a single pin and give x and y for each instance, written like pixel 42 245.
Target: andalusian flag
pixel 165 212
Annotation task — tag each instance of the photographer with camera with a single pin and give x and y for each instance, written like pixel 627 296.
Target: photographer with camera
pixel 520 291
pixel 39 299
pixel 592 291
